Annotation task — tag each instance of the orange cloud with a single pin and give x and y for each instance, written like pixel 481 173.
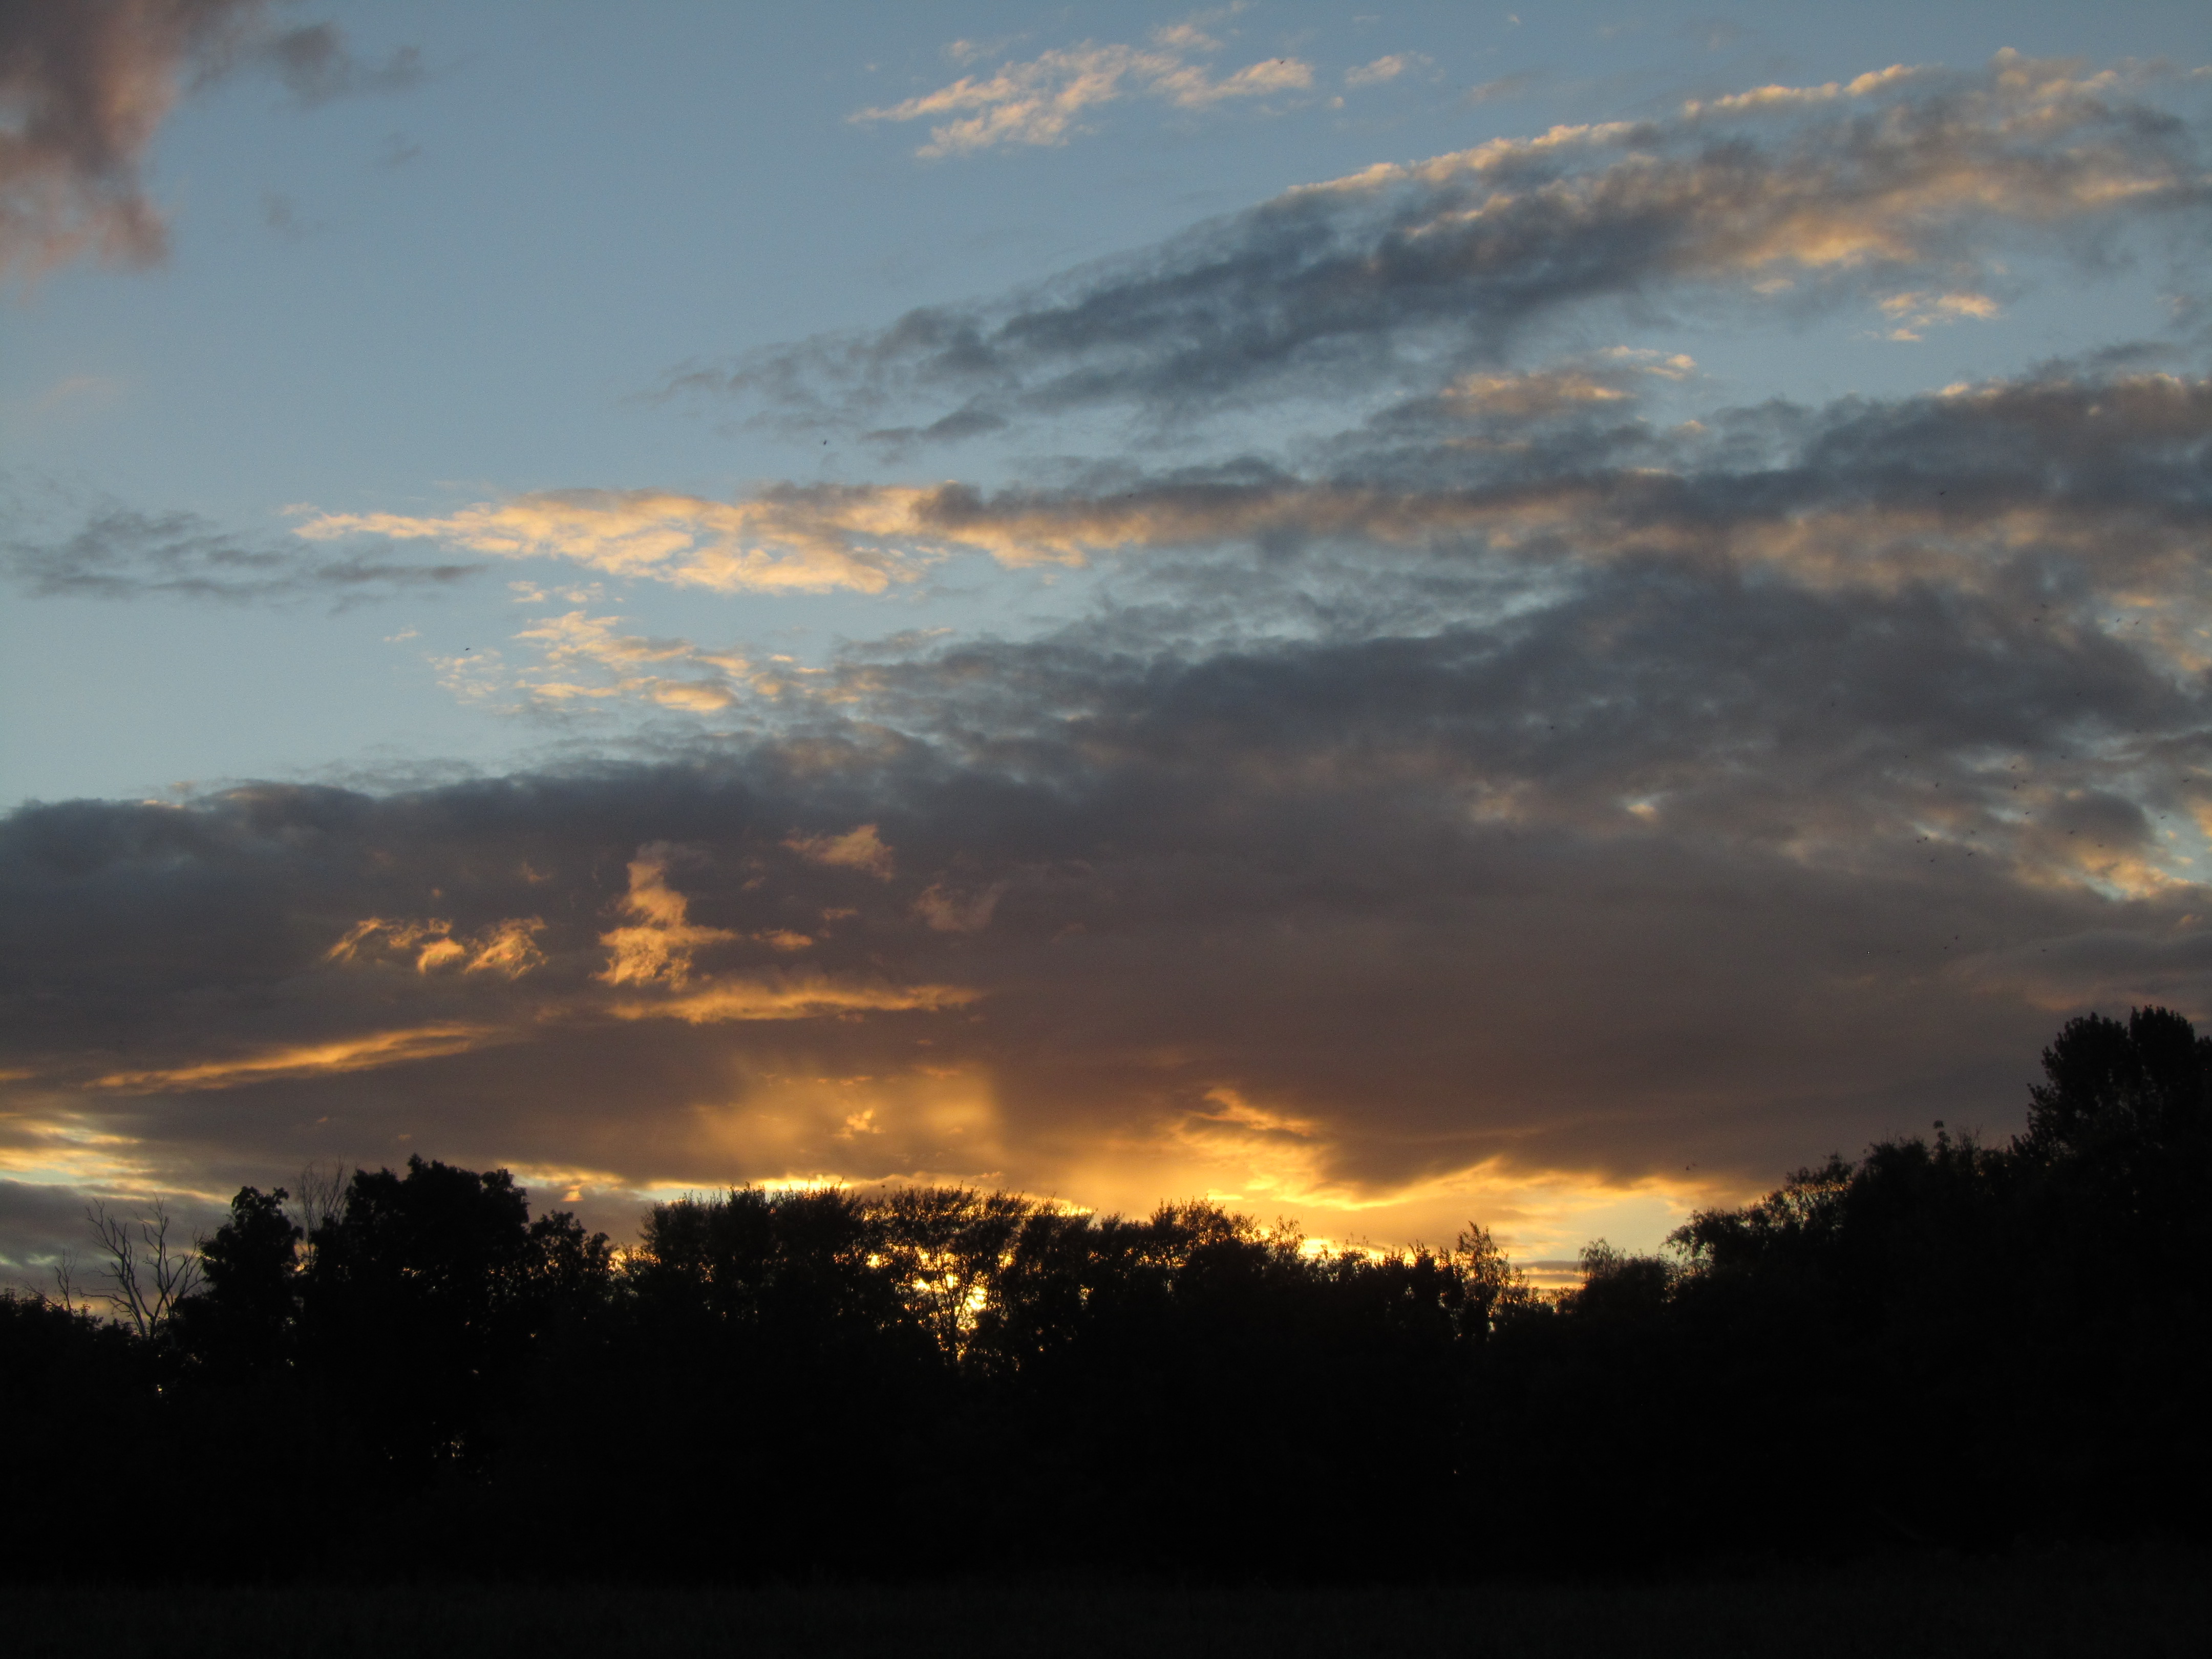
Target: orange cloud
pixel 810 998
pixel 361 1053
pixel 861 849
pixel 507 947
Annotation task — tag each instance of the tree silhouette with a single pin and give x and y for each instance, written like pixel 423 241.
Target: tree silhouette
pixel 1939 1341
pixel 151 1275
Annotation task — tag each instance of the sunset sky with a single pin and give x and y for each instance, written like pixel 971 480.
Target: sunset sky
pixel 1394 615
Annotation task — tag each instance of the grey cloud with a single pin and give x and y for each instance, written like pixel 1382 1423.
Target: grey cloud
pixel 1394 275
pixel 118 553
pixel 44 1234
pixel 1505 87
pixel 317 66
pixel 2059 488
pixel 86 86
pixel 39 1222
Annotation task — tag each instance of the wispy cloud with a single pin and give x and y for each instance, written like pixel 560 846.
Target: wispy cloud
pixel 118 553
pixel 317 66
pixel 1038 103
pixel 793 540
pixel 797 997
pixel 1384 69
pixel 372 1052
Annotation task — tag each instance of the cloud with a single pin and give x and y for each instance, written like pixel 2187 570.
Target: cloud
pixel 806 540
pixel 1383 68
pixel 800 998
pixel 508 947
pixel 658 946
pixel 861 849
pixel 1781 200
pixel 85 85
pixel 1038 103
pixel 119 553
pixel 1558 468
pixel 1910 313
pixel 1532 800
pixel 317 66
pixel 585 658
pixel 1505 87
pixel 358 1053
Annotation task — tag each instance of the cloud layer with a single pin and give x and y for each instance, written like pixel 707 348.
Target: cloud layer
pixel 1373 852
pixel 1903 189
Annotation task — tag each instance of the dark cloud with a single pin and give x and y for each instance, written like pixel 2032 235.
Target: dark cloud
pixel 118 553
pixel 1904 187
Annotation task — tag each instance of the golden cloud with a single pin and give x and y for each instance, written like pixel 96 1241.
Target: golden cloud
pixel 659 948
pixel 509 947
pixel 810 998
pixel 810 542
pixel 359 1053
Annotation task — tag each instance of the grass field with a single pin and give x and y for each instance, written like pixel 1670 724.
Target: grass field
pixel 2147 1605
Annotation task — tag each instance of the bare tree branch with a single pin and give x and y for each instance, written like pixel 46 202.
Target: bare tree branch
pixel 150 1275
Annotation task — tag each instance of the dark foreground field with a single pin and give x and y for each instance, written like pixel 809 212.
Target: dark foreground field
pixel 2147 1605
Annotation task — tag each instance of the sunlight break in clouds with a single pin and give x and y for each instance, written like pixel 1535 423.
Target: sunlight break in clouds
pixel 1037 102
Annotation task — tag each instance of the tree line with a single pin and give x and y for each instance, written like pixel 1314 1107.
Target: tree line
pixel 1941 1343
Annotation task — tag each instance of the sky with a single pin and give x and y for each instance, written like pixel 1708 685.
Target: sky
pixel 1392 616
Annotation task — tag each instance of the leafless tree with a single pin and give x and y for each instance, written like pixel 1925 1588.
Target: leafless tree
pixel 317 1195
pixel 150 1274
pixel 64 1271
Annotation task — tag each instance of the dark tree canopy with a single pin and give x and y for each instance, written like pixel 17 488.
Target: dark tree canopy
pixel 1940 1342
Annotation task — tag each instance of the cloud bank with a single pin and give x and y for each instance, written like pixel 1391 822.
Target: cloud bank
pixel 1369 854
